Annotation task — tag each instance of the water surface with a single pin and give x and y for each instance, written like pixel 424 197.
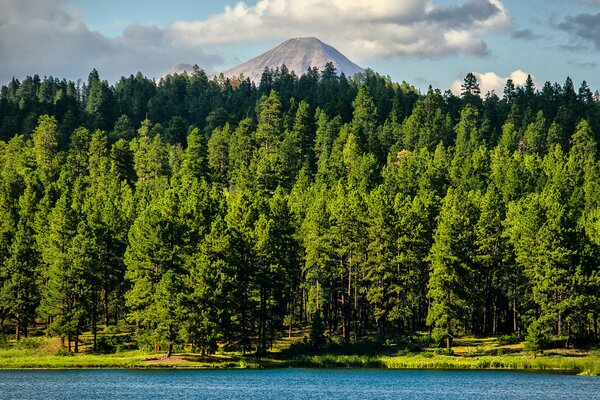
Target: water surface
pixel 294 384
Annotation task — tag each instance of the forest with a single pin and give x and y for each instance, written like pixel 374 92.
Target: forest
pixel 219 212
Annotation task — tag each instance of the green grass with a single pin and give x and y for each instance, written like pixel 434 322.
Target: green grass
pixel 469 353
pixel 587 365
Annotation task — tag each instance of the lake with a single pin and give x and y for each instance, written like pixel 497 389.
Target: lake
pixel 293 384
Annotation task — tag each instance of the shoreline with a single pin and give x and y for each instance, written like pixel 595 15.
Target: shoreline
pixel 589 366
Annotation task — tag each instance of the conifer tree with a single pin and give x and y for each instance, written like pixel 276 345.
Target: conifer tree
pixel 20 292
pixel 451 262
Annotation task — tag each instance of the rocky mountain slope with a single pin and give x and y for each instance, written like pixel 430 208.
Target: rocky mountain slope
pixel 297 54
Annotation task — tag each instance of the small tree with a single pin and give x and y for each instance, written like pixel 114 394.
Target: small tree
pixel 537 339
pixel 317 338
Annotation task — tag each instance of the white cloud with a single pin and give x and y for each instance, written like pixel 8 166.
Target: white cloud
pixel 50 37
pixel 362 28
pixel 490 81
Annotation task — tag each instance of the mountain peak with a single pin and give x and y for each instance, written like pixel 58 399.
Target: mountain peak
pixel 179 69
pixel 298 54
pixel 308 39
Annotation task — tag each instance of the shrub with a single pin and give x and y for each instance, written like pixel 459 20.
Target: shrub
pixel 317 338
pixel 513 338
pixel 144 340
pixel 63 351
pixel 299 348
pixel 4 342
pixel 537 339
pixel 112 344
pixel 30 343
pixel 112 330
pixel 444 352
pixel 584 340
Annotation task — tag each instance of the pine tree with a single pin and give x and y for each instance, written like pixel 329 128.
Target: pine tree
pixel 364 122
pixel 154 248
pixel 218 154
pixel 451 262
pixel 20 293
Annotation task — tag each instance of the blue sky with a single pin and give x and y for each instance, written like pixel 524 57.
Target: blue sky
pixel 421 41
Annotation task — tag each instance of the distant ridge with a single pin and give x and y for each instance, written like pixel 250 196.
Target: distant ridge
pixel 298 55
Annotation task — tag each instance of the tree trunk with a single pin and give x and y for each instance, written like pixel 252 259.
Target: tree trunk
pixel 76 343
pixel 514 315
pixel 262 338
pixel 347 308
pixel 292 314
pixel 170 351
pixel 95 330
pixel 17 329
pixel 494 317
pixel 105 308
pixel 95 319
pixel 559 324
pixel 318 295
pixel 448 342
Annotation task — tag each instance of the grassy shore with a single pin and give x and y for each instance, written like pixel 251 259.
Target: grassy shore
pixel 44 353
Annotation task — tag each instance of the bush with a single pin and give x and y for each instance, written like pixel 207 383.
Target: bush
pixel 30 343
pixel 144 340
pixel 4 342
pixel 497 352
pixel 584 340
pixel 537 339
pixel 112 330
pixel 300 348
pixel 513 338
pixel 63 351
pixel 443 352
pixel 317 338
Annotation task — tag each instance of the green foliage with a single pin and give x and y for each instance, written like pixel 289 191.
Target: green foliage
pixel 317 338
pixel 30 343
pixel 63 352
pixel 443 352
pixel 509 339
pixel 217 213
pixel 144 340
pixel 451 261
pixel 537 339
pixel 4 341
pixel 109 344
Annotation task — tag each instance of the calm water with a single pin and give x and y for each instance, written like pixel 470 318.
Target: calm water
pixel 294 384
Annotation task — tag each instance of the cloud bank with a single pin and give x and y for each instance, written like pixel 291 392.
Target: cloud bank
pixel 366 28
pixel 583 28
pixel 51 37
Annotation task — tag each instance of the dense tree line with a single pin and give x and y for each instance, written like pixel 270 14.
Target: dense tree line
pixel 218 211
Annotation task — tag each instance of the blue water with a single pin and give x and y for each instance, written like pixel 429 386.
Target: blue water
pixel 294 384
